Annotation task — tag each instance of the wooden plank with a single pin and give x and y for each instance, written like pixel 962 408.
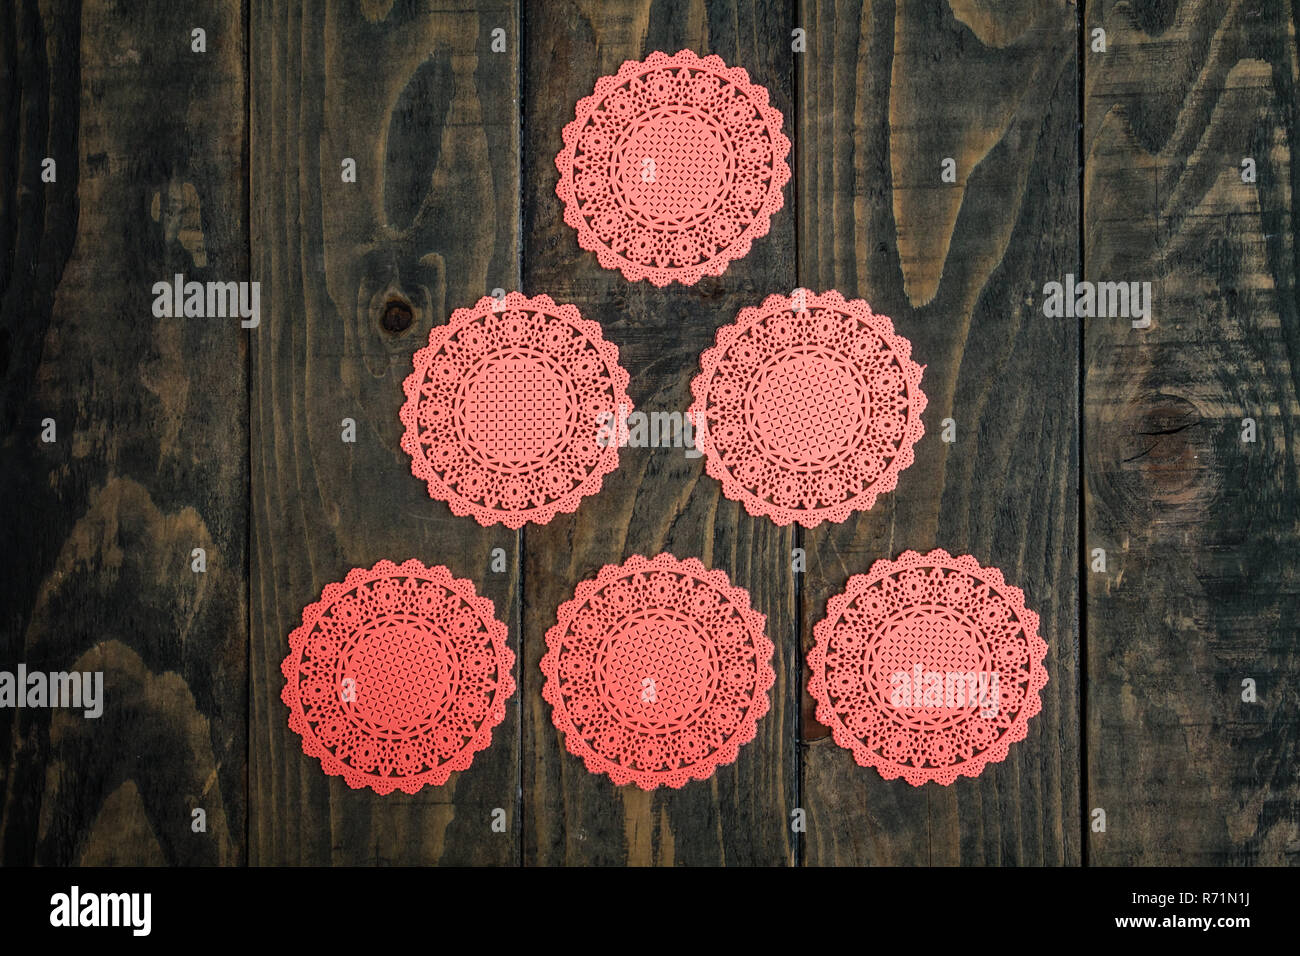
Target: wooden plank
pixel 150 454
pixel 658 499
pixel 886 92
pixel 414 94
pixel 1199 527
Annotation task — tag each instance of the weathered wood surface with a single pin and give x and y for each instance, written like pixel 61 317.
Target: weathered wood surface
pixel 176 434
pixel 887 92
pixel 151 454
pixel 414 94
pixel 1199 526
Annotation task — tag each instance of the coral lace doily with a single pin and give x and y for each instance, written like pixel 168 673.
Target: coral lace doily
pixel 507 410
pixel 397 676
pixel 808 407
pixel 657 671
pixel 927 667
pixel 672 167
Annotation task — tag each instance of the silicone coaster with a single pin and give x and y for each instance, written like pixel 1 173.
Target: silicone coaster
pixel 506 410
pixel 397 676
pixel 927 667
pixel 808 407
pixel 672 167
pixel 657 671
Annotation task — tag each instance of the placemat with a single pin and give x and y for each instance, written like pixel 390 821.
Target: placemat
pixel 397 676
pixel 928 667
pixel 657 671
pixel 672 167
pixel 511 412
pixel 807 407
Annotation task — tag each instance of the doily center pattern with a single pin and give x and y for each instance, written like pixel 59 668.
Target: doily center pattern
pixel 916 642
pixel 401 673
pixel 673 168
pixel 656 672
pixel 515 409
pixel 806 407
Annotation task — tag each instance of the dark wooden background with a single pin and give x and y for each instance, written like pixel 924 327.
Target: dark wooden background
pixel 1071 435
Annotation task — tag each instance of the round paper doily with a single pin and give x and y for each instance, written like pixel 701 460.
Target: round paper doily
pixel 511 410
pixel 927 667
pixel 397 676
pixel 808 407
pixel 672 167
pixel 657 671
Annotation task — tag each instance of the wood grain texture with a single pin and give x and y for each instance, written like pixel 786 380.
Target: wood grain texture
pixel 413 93
pixel 183 433
pixel 151 420
pixel 1200 528
pixel 658 499
pixel 886 92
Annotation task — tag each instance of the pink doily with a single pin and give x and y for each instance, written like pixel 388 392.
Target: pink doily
pixel 808 407
pixel 673 167
pixel 397 676
pixel 927 667
pixel 507 410
pixel 657 671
